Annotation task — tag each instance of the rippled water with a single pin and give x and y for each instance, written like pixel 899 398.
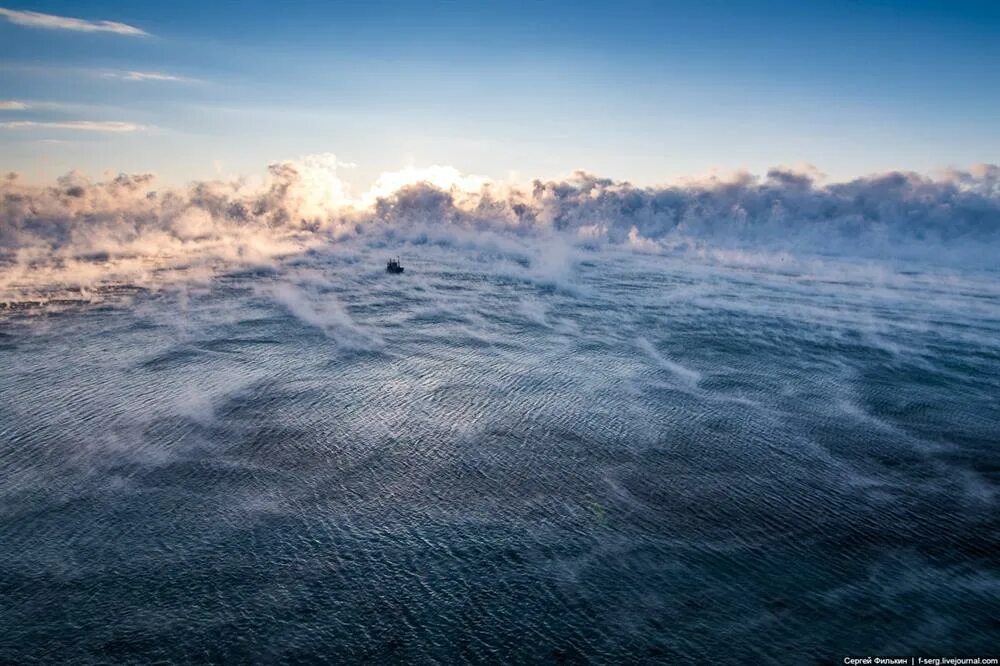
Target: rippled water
pixel 504 455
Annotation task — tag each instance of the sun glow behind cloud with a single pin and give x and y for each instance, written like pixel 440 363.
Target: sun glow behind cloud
pixel 446 178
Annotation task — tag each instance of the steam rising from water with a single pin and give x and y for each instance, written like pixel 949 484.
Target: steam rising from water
pixel 521 446
pixel 709 421
pixel 77 235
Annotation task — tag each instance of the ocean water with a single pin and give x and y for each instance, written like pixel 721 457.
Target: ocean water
pixel 505 454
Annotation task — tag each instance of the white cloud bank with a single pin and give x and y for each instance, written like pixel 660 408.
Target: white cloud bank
pixel 12 105
pixel 83 231
pixel 31 19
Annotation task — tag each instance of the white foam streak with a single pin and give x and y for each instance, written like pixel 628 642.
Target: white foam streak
pixel 321 309
pixel 686 376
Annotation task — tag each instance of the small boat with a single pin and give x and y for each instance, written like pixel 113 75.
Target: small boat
pixel 394 266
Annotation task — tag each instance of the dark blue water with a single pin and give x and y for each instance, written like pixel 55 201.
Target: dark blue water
pixel 602 458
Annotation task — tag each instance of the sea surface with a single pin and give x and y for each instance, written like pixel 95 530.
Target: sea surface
pixel 505 454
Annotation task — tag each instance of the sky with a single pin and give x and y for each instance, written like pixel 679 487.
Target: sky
pixel 640 91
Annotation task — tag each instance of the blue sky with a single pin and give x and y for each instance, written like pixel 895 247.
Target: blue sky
pixel 645 91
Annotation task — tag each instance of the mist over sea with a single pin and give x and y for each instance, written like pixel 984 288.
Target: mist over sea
pixel 748 421
pixel 570 455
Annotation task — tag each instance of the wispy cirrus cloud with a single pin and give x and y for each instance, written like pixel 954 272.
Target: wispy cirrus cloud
pixel 80 125
pixel 110 74
pixel 144 76
pixel 31 19
pixel 70 108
